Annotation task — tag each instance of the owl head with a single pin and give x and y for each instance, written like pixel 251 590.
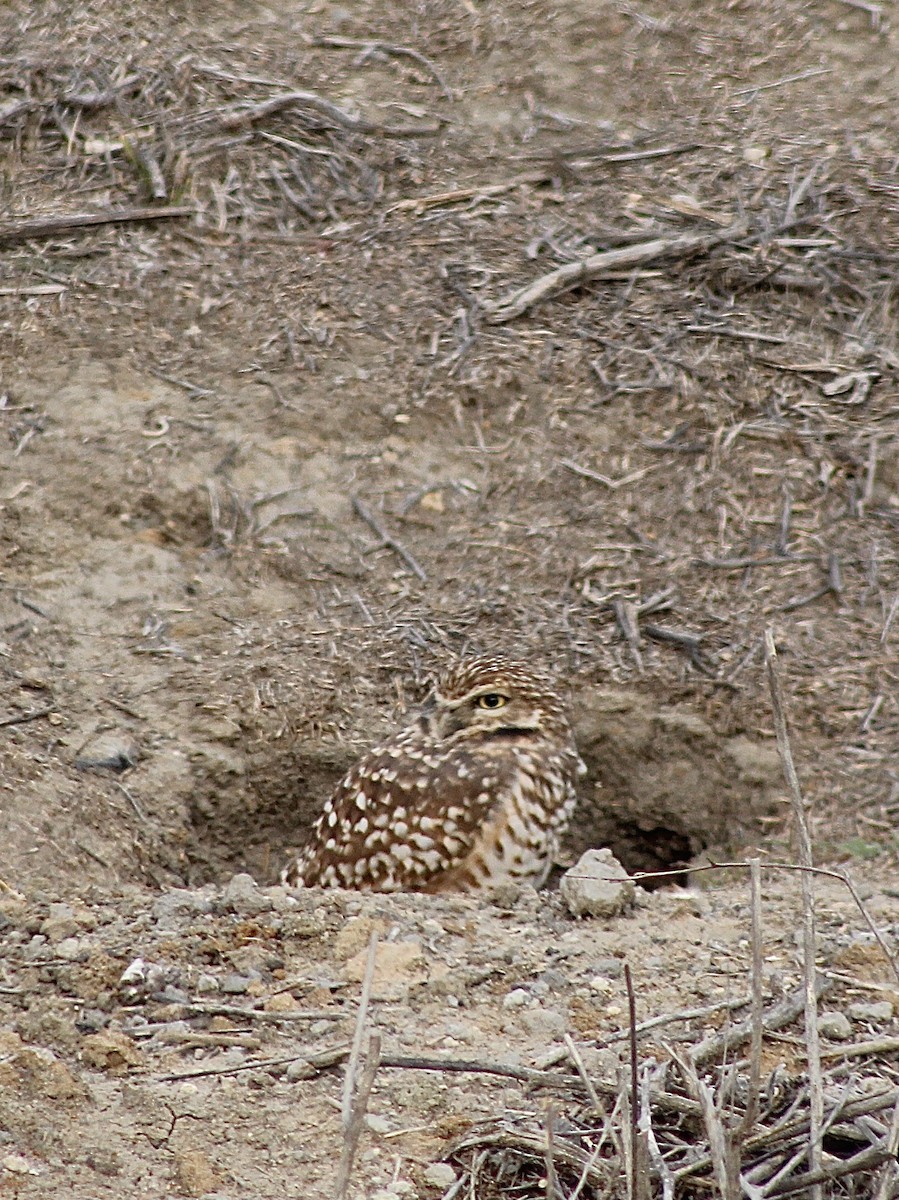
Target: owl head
pixel 495 697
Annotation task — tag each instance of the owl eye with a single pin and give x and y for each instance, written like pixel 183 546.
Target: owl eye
pixel 491 700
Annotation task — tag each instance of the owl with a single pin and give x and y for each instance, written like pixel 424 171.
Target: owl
pixel 474 793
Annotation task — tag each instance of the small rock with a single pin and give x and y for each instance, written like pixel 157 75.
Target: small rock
pixel 377 1124
pixel 173 907
pixel 109 751
pixel 17 1165
pixel 302 925
pixel 171 995
pixel 439 1175
pixel 517 998
pixel 91 1020
pixel 401 1189
pixel 71 949
pixel 60 923
pixel 611 968
pixel 36 948
pixel 835 1026
pixel 235 985
pixel 597 886
pixel 299 1070
pixel 688 900
pixel 280 1002
pixel 871 1010
pixel 207 983
pixel 110 1051
pixel 134 973
pixel 242 895
pixel 544 1022
pixel 194 1173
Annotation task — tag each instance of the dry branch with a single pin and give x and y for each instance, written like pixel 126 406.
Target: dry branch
pixel 572 275
pixel 240 115
pixel 22 228
pixel 388 540
pixel 388 48
pixel 800 816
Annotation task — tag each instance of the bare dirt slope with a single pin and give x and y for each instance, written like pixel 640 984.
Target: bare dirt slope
pixel 309 296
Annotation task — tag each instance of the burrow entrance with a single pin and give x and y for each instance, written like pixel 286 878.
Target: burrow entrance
pixel 662 786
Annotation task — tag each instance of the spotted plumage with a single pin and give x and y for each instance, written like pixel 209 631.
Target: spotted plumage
pixel 473 793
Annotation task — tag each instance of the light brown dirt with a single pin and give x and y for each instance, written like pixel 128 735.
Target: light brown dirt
pixel 197 633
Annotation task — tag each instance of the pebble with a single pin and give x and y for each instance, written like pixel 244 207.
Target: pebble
pixel 402 1189
pixel 611 968
pixel 597 886
pixel 91 1020
pixel 207 983
pixel 60 923
pixel 377 1124
pixel 299 1070
pixel 835 1026
pixel 173 907
pixel 71 949
pixel 111 751
pixel 439 1175
pixel 171 995
pixel 517 998
pixel 235 985
pixel 871 1010
pixel 35 948
pixel 544 1022
pixel 243 895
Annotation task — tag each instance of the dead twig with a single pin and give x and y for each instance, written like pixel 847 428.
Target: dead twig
pixel 717 1045
pixel 387 539
pixel 349 1082
pixel 35 715
pixel 612 484
pixel 354 1100
pixel 800 816
pixel 241 115
pixel 756 1016
pixel 639 1177
pixel 353 1128
pixel 572 275
pixel 22 228
pixel 392 51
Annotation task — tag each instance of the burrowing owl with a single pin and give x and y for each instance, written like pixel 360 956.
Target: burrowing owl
pixel 475 792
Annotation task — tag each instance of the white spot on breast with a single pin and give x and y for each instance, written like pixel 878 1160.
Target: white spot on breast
pixel 361 801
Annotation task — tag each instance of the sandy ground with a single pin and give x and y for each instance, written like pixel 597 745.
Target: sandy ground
pixel 628 481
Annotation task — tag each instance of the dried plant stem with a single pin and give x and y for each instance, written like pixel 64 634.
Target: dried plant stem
pixel 355 1100
pixel 800 816
pixel 755 1053
pixel 361 1017
pixel 353 1129
pixel 21 228
pixel 572 275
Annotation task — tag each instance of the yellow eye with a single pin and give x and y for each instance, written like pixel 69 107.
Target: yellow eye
pixel 491 700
